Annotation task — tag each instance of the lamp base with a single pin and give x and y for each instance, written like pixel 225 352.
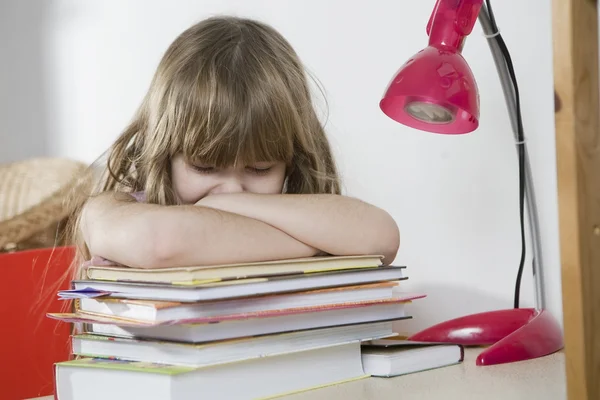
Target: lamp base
pixel 515 334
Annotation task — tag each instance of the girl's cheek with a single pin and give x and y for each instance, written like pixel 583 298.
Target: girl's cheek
pixel 192 190
pixel 266 185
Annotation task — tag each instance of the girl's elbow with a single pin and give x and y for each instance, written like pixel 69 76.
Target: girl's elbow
pixel 135 252
pixel 148 247
pixel 388 240
pixel 389 248
pixel 159 252
pixel 390 252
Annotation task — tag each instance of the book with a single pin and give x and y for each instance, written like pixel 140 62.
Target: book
pixel 226 351
pixel 160 311
pixel 229 289
pixel 394 356
pixel 264 377
pixel 183 275
pixel 247 324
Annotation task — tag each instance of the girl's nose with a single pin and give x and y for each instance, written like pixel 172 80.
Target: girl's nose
pixel 228 186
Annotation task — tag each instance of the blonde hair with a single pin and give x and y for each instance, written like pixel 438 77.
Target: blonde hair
pixel 228 90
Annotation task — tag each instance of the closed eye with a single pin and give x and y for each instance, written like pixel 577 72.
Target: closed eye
pixel 204 169
pixel 259 171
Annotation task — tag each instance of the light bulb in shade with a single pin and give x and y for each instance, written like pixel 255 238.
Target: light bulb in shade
pixel 435 90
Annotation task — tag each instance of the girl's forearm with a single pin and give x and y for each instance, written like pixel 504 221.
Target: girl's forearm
pixel 152 236
pixel 332 223
pixel 209 237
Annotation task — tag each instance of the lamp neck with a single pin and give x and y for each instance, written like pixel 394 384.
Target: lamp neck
pixel 451 22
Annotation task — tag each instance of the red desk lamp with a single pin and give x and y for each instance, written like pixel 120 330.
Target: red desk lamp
pixel 435 91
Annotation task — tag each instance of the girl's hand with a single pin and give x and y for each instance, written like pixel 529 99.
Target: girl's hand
pixel 231 203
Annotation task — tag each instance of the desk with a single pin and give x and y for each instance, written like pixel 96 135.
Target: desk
pixel 540 379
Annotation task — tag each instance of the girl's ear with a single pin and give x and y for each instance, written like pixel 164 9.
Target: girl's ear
pixel 288 172
pixel 285 185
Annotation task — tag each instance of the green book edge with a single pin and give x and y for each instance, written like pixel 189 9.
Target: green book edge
pixel 125 365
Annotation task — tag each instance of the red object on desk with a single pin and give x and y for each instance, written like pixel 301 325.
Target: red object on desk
pixel 515 334
pixel 31 342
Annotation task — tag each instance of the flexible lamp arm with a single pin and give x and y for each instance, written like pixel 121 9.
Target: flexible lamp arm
pixel 532 211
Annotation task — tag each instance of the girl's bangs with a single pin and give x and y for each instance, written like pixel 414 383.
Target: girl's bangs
pixel 225 134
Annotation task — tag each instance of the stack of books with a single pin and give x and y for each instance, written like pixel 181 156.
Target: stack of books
pixel 240 331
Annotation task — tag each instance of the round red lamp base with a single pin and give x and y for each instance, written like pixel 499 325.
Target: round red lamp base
pixel 516 334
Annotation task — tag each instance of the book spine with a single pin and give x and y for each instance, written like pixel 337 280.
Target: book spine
pixel 54 383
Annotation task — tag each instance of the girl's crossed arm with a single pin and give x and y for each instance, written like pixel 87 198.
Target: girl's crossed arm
pixel 120 229
pixel 335 224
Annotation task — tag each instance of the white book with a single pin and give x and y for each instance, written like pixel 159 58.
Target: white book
pixel 232 288
pixel 286 321
pixel 388 357
pixel 225 351
pixel 161 311
pixel 101 379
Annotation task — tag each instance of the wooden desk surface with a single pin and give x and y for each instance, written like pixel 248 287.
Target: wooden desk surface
pixel 540 379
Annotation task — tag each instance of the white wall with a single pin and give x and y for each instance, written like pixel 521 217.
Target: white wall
pixel 454 198
pixel 23 98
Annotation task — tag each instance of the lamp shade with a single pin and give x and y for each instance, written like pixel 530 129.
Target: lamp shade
pixel 435 90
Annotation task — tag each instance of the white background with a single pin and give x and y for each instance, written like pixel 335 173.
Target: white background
pixel 72 73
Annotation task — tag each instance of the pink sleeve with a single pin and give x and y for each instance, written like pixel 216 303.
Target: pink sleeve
pixel 139 196
pixel 98 261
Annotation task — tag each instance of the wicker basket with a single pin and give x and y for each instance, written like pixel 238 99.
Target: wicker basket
pixel 36 198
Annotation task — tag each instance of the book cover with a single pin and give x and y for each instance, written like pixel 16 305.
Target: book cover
pixel 195 291
pixel 162 305
pixel 215 273
pixel 85 317
pixel 125 365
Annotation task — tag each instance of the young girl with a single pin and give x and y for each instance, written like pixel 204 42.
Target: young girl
pixel 226 161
